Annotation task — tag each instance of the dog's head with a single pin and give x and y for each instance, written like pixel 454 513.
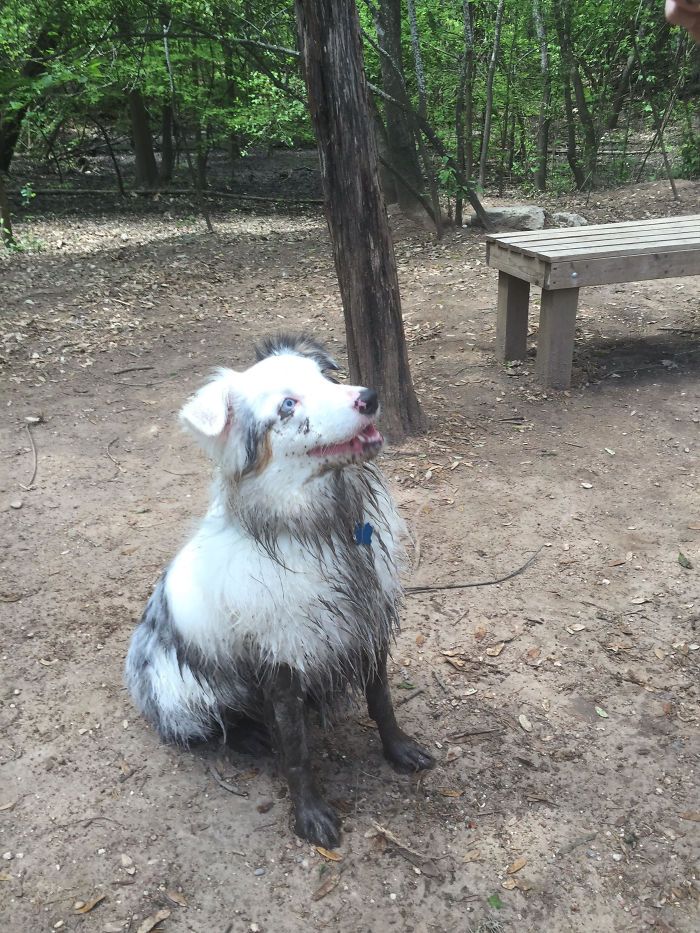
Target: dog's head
pixel 284 417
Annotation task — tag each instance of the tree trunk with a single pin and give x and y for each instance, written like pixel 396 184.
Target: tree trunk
pixel 463 109
pixel 488 110
pixel 329 39
pixel 146 168
pixel 402 147
pixel 545 119
pixel 423 111
pixel 5 219
pixel 387 179
pixel 167 147
pixel 35 66
pixel 572 79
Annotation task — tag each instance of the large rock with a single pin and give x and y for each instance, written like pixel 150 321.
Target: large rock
pixel 567 219
pixel 514 218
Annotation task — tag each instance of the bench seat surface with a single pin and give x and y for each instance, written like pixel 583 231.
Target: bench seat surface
pixel 599 254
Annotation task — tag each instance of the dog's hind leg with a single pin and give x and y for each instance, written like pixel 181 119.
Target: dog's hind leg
pixel 315 819
pixel 400 750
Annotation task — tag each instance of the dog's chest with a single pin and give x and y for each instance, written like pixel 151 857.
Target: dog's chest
pixel 307 606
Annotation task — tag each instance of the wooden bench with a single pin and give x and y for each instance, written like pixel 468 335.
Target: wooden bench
pixel 562 261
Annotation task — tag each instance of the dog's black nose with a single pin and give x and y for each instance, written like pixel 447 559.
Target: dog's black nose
pixel 368 402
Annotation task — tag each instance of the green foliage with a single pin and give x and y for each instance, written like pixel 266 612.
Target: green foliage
pixel 67 62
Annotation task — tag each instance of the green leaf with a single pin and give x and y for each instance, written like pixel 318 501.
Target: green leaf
pixel 495 901
pixel 601 712
pixel 684 562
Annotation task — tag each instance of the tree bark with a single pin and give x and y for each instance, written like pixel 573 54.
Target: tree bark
pixel 545 119
pixel 167 146
pixel 428 169
pixel 488 109
pixel 402 147
pixel 5 218
pixel 464 109
pixel 329 39
pixel 146 168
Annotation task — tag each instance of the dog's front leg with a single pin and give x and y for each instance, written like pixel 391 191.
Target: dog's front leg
pixel 315 819
pixel 400 750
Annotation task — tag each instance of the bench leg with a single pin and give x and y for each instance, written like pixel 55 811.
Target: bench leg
pixel 511 325
pixel 555 341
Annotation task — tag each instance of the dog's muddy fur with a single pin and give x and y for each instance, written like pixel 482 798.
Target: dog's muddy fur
pixel 275 605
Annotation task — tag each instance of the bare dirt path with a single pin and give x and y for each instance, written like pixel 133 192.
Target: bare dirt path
pixel 562 705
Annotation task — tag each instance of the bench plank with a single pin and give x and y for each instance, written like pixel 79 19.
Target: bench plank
pixel 597 229
pixel 616 269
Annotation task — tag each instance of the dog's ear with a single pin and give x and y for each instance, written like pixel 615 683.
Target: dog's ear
pixel 210 412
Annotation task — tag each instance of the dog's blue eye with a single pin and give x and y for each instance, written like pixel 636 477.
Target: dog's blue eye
pixel 288 406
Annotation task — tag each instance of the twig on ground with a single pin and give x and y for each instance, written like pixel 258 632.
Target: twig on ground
pixel 131 369
pixel 410 697
pixel 31 481
pixel 115 462
pixel 225 784
pixel 468 735
pixel 439 682
pixel 459 586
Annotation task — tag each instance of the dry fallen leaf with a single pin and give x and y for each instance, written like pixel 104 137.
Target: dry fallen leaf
pixel 509 884
pixel 639 600
pixel 453 753
pixel 448 792
pixel 495 650
pixel 5 877
pixel 331 856
pixel 660 653
pixel 473 855
pixel 480 633
pixel 9 806
pixel 420 640
pixel 525 722
pixel 84 907
pixel 533 653
pixel 327 886
pixel 150 923
pixel 176 897
pixel 456 662
pixel 692 815
pixel 516 866
pixel 694 526
pixel 576 627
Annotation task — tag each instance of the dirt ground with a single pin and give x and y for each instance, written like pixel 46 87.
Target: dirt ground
pixel 562 705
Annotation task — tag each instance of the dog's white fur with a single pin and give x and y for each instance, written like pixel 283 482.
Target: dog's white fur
pixel 271 575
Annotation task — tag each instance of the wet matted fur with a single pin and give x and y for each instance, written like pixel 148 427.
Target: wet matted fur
pixel 276 600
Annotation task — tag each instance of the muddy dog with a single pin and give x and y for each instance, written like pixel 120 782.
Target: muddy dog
pixel 287 596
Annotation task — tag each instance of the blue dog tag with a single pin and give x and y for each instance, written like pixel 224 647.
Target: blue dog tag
pixel 363 533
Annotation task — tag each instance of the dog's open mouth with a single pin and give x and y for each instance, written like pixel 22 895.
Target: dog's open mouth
pixel 365 444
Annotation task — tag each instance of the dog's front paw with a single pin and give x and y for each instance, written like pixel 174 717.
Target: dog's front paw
pixel 318 822
pixel 404 754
